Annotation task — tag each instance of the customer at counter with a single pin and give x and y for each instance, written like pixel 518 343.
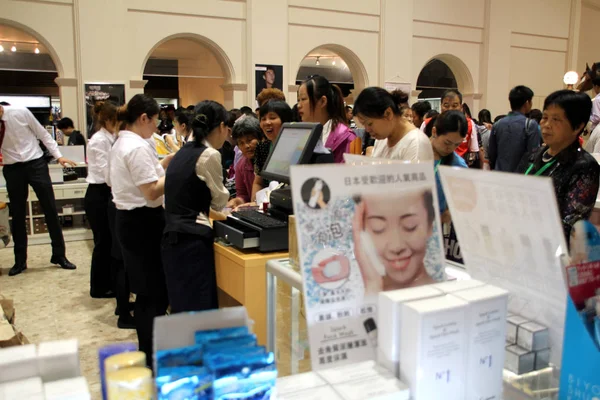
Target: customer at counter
pixel 575 173
pixel 247 134
pixel 194 186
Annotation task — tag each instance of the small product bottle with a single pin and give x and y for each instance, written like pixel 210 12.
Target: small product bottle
pixel 315 194
pixel 371 329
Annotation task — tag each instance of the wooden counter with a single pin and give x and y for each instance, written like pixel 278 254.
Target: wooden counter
pixel 242 276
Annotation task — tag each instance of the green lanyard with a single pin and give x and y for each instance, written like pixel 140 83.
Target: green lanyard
pixel 435 167
pixel 541 170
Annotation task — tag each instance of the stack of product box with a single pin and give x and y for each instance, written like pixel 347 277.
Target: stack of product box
pixel 445 338
pixel 527 345
pixel 358 381
pixel 49 371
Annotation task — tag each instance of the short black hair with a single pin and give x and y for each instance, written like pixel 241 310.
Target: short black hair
pixel 246 110
pixel 518 96
pixel 536 114
pixel 373 101
pixel 499 117
pixel 184 116
pixel 65 123
pixel 234 114
pixel 452 93
pixel 596 81
pixel 451 121
pixel 577 106
pixel 279 107
pixel 421 108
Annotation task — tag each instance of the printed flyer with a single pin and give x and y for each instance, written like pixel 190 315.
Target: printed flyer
pixel 361 229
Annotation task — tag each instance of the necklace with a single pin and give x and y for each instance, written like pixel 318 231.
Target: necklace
pixel 546 157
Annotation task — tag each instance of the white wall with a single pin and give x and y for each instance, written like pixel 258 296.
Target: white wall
pixel 491 45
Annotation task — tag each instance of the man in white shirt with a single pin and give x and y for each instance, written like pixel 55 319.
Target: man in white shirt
pixel 23 166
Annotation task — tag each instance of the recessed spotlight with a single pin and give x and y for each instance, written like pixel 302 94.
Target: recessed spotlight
pixel 333 62
pixel 317 62
pixel 36 51
pixel 1 48
pixel 13 49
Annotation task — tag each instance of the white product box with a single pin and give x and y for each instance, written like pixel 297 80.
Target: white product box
pixel 320 393
pixel 486 333
pixel 519 360
pixel 71 389
pixel 433 347
pixel 18 362
pixel 58 360
pixel 455 286
pixel 295 383
pixel 389 317
pixel 542 359
pixel 24 389
pixel 353 372
pixel 375 388
pixel 512 328
pixel 533 336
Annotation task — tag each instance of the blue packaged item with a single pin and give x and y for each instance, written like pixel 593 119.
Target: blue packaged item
pixel 225 355
pixel 597 330
pixel 191 355
pixel 187 382
pixel 202 337
pixel 224 366
pixel 230 343
pixel 247 378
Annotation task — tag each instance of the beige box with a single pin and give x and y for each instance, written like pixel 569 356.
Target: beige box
pixel 58 360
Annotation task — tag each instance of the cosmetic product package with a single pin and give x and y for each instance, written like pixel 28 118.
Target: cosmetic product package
pixel 23 389
pixel 125 360
pixel 486 333
pixel 542 359
pixel 299 382
pixel 389 313
pixel 58 360
pixel 203 337
pixel 512 328
pixel 107 351
pixel 254 381
pixel 188 382
pixel 67 389
pixel 230 343
pixel 354 372
pixel 433 347
pixel 232 354
pixel 222 368
pixel 130 383
pixel 190 355
pixel 449 287
pixel 374 388
pixel 18 362
pixel 315 393
pixel 519 360
pixel 533 336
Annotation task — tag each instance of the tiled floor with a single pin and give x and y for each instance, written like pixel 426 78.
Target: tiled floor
pixel 52 303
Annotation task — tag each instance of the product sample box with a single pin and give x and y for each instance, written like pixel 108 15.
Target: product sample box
pixel 17 363
pixel 71 389
pixel 455 286
pixel 390 322
pixel 30 388
pixel 299 382
pixel 533 336
pixel 374 388
pixel 519 360
pixel 58 360
pixel 433 347
pixel 485 332
pixel 512 326
pixel 542 359
pixel 353 372
pixel 319 393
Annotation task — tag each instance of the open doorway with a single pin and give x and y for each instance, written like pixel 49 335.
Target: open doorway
pixel 435 78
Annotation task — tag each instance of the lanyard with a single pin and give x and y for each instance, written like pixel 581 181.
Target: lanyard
pixel 541 170
pixel 435 167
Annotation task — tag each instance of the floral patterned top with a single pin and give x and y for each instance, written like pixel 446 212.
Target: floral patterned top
pixel 575 175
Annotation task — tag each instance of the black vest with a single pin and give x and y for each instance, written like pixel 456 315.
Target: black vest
pixel 186 195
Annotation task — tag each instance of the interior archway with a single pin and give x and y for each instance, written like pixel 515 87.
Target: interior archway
pixel 28 69
pixel 184 69
pixel 339 65
pixel 440 73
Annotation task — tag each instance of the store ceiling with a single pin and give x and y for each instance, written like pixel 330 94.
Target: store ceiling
pixel 23 41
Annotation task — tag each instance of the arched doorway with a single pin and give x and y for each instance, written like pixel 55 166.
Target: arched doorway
pixel 441 73
pixel 182 71
pixel 27 73
pixel 339 65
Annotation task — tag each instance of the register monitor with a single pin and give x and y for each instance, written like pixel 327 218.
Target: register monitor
pixel 294 145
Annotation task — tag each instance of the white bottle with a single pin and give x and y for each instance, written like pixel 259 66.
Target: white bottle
pixel 316 193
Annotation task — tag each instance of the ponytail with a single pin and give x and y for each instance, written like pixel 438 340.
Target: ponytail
pixel 138 105
pixel 317 87
pixel 208 115
pixel 105 113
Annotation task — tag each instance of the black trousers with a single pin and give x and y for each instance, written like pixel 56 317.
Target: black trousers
pixel 139 232
pixel 18 176
pixel 189 262
pixel 97 199
pixel 118 267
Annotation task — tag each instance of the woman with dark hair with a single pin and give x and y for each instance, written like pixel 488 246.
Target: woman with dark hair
pixel 396 136
pixel 420 109
pixel 485 129
pixel 485 117
pixel 273 114
pixel 320 101
pixel 137 181
pixel 194 186
pixel 183 128
pixel 449 130
pixel 247 134
pixel 574 172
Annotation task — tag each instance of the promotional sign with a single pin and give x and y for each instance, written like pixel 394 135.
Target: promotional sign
pixel 511 236
pixel 268 76
pixel 101 92
pixel 361 229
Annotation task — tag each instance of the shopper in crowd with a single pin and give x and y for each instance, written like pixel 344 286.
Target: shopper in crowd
pixel 227 150
pixel 595 114
pixel 499 117
pixel 247 134
pixel 407 113
pixel 516 135
pixel 182 127
pixel 98 197
pixel 25 166
pixel 402 98
pixel 485 128
pixel 396 137
pixel 593 143
pixel 536 114
pixel 273 114
pixel 320 101
pixel 194 186
pixel 448 132
pixel 269 94
pixel 137 181
pixel 574 172
pixel 67 127
pixel 349 115
pixel 419 110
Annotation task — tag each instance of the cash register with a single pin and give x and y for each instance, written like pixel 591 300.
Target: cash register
pixel 268 230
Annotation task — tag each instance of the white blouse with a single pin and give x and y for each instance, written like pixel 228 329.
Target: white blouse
pixel 133 162
pixel 210 170
pixel 98 151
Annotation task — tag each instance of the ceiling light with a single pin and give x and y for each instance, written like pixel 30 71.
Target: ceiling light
pixel 13 49
pixel 1 48
pixel 571 78
pixel 333 62
pixel 36 51
pixel 317 62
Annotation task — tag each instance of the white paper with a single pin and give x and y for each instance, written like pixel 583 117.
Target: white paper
pixel 511 236
pixel 399 210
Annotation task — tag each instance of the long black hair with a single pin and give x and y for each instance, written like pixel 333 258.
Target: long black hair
pixel 208 115
pixel 317 87
pixel 137 106
pixel 373 101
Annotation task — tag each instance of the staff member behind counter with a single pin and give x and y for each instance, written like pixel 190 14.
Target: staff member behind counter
pixel 137 181
pixel 24 165
pixel 194 186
